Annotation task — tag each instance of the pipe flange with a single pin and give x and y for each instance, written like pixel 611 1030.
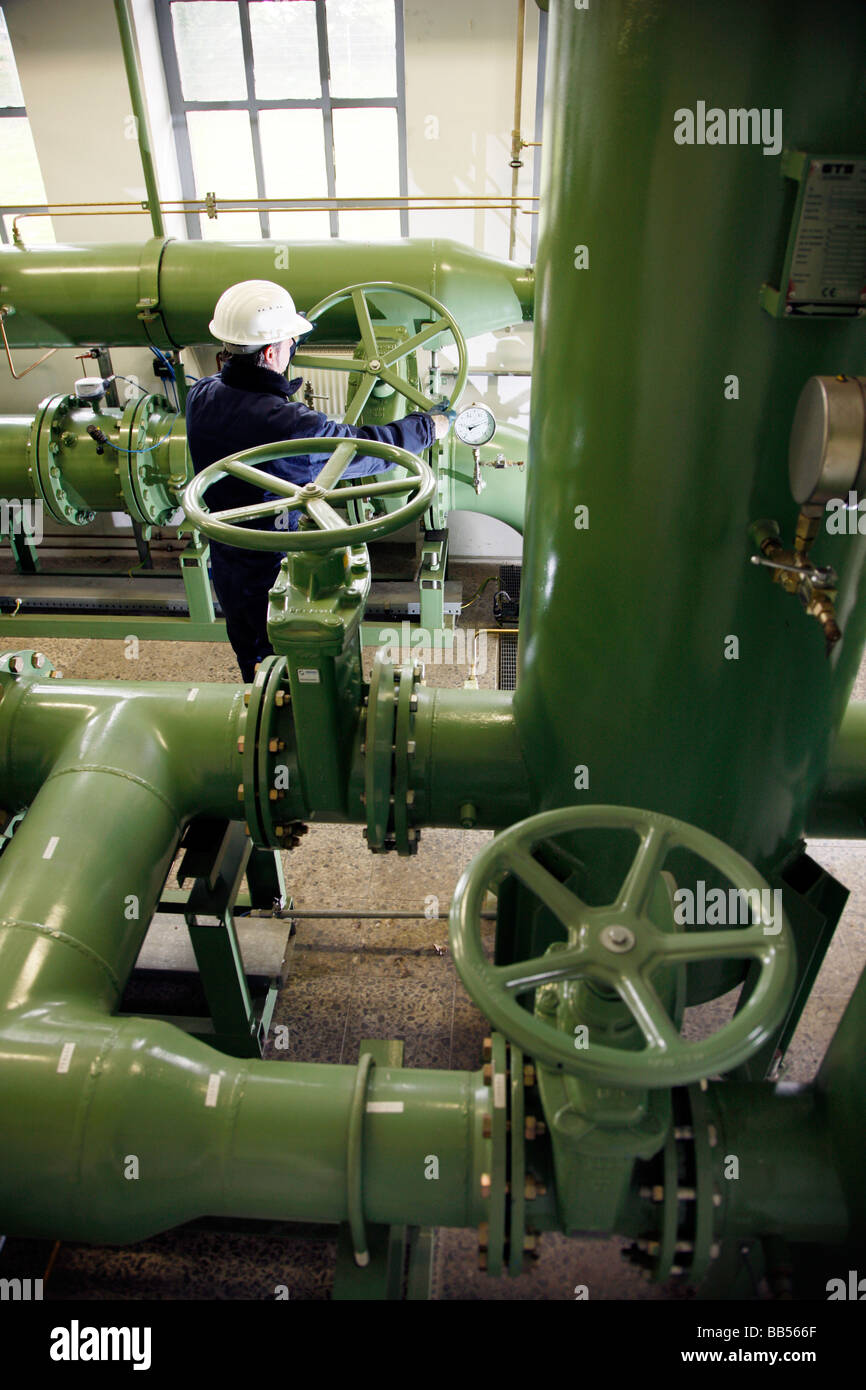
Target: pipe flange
pixel 680 1184
pixel 63 502
pixel 406 834
pixel 146 492
pixel 497 1078
pixel 379 745
pixel 271 794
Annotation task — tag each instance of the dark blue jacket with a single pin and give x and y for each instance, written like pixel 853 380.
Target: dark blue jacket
pixel 245 406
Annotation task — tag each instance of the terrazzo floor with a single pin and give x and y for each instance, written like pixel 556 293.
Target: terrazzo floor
pixel 382 977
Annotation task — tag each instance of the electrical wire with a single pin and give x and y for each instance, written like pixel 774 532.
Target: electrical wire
pixel 150 448
pixel 478 592
pixel 118 376
pixel 162 357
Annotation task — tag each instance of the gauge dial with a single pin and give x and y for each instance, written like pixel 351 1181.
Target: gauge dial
pixel 475 425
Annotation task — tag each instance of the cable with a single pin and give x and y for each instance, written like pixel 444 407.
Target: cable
pixel 162 357
pixel 489 580
pixel 118 376
pixel 150 448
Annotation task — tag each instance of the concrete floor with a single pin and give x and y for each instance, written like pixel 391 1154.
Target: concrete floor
pixel 357 978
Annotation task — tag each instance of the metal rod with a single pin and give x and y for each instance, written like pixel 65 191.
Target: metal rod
pixel 387 914
pixel 133 77
pixel 515 134
pixel 33 365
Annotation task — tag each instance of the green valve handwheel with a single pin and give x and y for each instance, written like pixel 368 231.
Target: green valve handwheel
pixel 378 364
pixel 617 947
pixel 313 498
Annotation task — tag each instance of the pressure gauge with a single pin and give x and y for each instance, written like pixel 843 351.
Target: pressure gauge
pixel 475 425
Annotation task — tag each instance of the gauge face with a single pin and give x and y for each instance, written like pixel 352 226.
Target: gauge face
pixel 475 425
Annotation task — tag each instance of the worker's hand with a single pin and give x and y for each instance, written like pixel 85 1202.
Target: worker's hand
pixel 443 418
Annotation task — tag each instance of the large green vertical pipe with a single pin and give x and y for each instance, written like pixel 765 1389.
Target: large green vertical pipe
pixel 624 624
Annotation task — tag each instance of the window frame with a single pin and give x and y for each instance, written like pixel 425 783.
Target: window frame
pixel 18 113
pixel 253 105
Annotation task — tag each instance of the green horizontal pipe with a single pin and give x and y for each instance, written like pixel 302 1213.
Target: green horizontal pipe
pixel 839 810
pixel 66 295
pixel 784 1180
pixel 214 1136
pixel 160 731
pixel 468 753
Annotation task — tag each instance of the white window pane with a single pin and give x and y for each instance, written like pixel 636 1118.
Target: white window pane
pixel 300 226
pixel 34 230
pixel 366 152
pixel 207 36
pixel 20 175
pixel 285 50
pixel 362 48
pixel 10 87
pixel 293 153
pixel 222 154
pixel 231 226
pixel 370 226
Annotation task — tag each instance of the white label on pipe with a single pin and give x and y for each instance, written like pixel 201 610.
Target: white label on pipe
pixel 192 694
pixel 213 1088
pixel 384 1107
pixel 51 847
pixel 308 675
pixel 499 1091
pixel 65 1057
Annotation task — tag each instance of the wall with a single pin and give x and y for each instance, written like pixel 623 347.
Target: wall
pixel 460 62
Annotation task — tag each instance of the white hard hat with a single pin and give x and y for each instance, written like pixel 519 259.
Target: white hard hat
pixel 254 313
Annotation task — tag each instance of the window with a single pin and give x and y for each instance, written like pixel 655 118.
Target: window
pixel 279 99
pixel 21 186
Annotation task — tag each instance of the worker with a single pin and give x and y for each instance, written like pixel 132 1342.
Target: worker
pixel 249 403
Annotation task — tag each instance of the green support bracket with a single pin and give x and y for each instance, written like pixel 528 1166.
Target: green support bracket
pixel 400 1257
pixel 431 582
pixel 193 567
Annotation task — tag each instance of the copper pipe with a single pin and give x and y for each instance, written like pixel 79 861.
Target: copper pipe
pixel 4 310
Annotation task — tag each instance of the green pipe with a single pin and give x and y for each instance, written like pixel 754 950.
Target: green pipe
pixel 839 810
pixel 841 1086
pixel 504 492
pixel 164 291
pixel 214 1136
pixel 199 724
pixel 133 77
pixel 640 594
pixel 775 1164
pixel 467 752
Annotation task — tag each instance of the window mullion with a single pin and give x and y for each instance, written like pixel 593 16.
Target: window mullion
pixel 247 42
pixel 325 78
pixel 178 115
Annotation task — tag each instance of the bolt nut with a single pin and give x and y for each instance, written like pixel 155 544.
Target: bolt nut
pixel 240 791
pixel 530 1127
pixel 483 1235
pixel 486 1184
pixel 487 1049
pixel 528 1074
pixel 246 697
pixel 487 1073
pixel 482 1260
pixel 487 1127
pixel 241 744
pixel 410 747
pixel 16 665
pixel 281 698
pixel 38 660
pixel 273 745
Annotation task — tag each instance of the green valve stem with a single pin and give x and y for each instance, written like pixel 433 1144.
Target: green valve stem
pixel 468 815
